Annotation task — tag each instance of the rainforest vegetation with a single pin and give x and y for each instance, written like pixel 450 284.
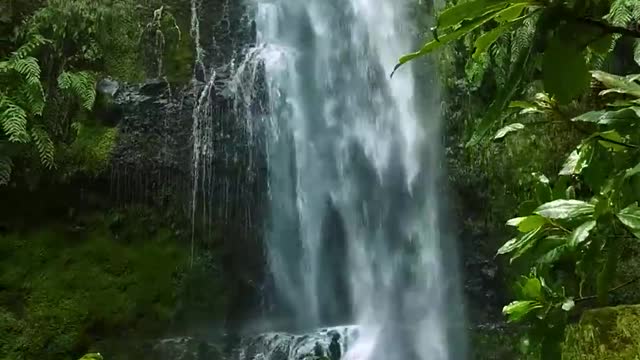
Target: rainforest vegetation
pixel 562 120
pixel 542 111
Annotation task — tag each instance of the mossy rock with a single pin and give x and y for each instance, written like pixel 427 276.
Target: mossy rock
pixel 61 291
pixel 611 333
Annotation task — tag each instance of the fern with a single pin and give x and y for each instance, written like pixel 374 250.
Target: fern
pixel 35 41
pixel 31 97
pixel 6 166
pixel 28 67
pixel 80 84
pixel 45 146
pixel 14 121
pixel 622 12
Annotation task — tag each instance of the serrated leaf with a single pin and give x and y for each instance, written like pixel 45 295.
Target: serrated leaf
pixel 507 129
pixel 565 209
pixel 523 62
pixel 517 310
pixel 581 233
pixel 630 217
pixel 564 70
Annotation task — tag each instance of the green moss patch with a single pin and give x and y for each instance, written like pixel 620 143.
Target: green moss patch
pixel 605 334
pixel 61 291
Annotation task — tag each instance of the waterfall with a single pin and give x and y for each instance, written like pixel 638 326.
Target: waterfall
pixel 355 230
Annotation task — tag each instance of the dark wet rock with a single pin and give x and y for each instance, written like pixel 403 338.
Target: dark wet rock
pixel 108 87
pixel 185 348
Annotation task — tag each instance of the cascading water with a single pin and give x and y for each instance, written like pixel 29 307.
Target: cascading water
pixel 355 232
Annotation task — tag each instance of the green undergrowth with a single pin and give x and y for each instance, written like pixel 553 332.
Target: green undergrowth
pixel 605 334
pixel 64 288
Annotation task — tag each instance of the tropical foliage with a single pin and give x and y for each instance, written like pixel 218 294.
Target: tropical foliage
pixel 51 57
pixel 574 226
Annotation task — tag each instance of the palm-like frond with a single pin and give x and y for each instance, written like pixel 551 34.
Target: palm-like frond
pixel 44 145
pixel 80 84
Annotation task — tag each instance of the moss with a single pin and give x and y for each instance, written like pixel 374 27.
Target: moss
pixel 605 334
pixel 90 153
pixel 61 291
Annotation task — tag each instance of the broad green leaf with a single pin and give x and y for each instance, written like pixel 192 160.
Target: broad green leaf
pixel 527 223
pixel 532 289
pixel 578 160
pixel 568 304
pixel 517 310
pixel 581 233
pixel 469 10
pixel 556 250
pixel 565 209
pixel 612 140
pixel 602 117
pixel 633 171
pixel 512 12
pixel 485 40
pixel 530 240
pixel 519 242
pixel 507 129
pixel 630 217
pixel 564 70
pixel 617 84
pixel 464 29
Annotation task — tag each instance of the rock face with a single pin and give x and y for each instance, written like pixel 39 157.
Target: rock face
pixel 190 148
pixel 185 348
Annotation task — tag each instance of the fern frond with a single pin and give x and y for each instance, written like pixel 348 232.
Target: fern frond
pixel 6 165
pixel 14 121
pixel 45 147
pixel 31 97
pixel 522 38
pixel 79 84
pixel 35 41
pixel 27 67
pixel 621 12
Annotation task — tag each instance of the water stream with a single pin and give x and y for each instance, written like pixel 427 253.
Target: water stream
pixel 354 238
pixel 355 234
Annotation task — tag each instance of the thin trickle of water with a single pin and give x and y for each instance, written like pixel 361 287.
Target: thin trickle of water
pixel 355 230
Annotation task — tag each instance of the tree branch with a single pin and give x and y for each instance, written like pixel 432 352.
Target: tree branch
pixel 593 297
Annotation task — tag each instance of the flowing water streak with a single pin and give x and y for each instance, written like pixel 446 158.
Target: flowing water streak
pixel 355 232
